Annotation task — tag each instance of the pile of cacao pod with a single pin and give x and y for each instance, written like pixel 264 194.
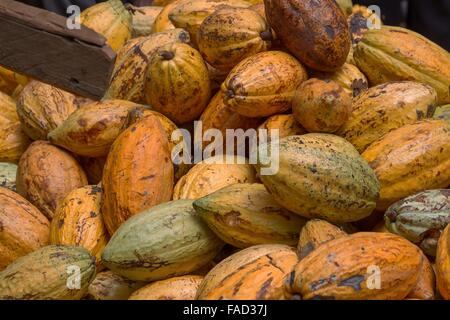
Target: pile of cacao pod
pixel 358 208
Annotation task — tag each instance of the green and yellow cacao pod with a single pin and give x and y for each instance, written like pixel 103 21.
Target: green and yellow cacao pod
pixel 420 218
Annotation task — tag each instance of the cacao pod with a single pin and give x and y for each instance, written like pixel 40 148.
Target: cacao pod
pixel 443 112
pixel 209 176
pixel 443 264
pixel 128 78
pixel 189 14
pixel 177 83
pixel 8 108
pixel 162 21
pixel 263 84
pixel 78 221
pixel 110 286
pixel 245 215
pixel 178 288
pixel 411 159
pixel 349 77
pixel 138 173
pixel 230 35
pixel 46 175
pixel 387 107
pixel 9 80
pixel 316 32
pixel 8 172
pixel 13 141
pixel 143 19
pixel 91 130
pixel 165 241
pixel 218 116
pixel 285 124
pixel 338 269
pixel 346 6
pixel 420 218
pixel 321 105
pixel 111 20
pixel 396 54
pixel 43 274
pixel 23 228
pixel 314 233
pixel 255 273
pixel 308 184
pixel 426 282
pixel 41 108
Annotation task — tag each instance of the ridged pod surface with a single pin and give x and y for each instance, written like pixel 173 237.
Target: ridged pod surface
pixel 128 78
pixel 110 286
pixel 420 218
pixel 263 84
pixel 245 215
pixel 177 82
pixel 47 274
pixel 91 130
pixel 138 173
pixel 230 35
pixel 349 77
pixel 46 175
pixel 387 107
pixel 79 222
pixel 189 14
pixel 165 241
pixel 255 273
pixel 308 183
pixel 411 159
pixel 443 264
pixel 342 269
pixel 205 178
pixel 178 288
pixel 13 141
pixel 8 172
pixel 23 228
pixel 111 20
pixel 395 54
pixel 41 108
pixel 314 233
pixel 315 31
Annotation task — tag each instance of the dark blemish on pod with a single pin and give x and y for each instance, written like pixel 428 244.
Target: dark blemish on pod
pixel 167 55
pixel 353 282
pixel 92 214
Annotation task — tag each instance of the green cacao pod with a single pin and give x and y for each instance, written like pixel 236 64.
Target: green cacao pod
pixel 420 218
pixel 50 273
pixel 308 183
pixel 8 173
pixel 443 112
pixel 165 241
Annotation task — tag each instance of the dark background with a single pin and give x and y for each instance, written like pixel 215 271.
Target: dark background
pixel 430 18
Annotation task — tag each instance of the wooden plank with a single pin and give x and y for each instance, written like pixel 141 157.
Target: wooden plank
pixel 37 43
